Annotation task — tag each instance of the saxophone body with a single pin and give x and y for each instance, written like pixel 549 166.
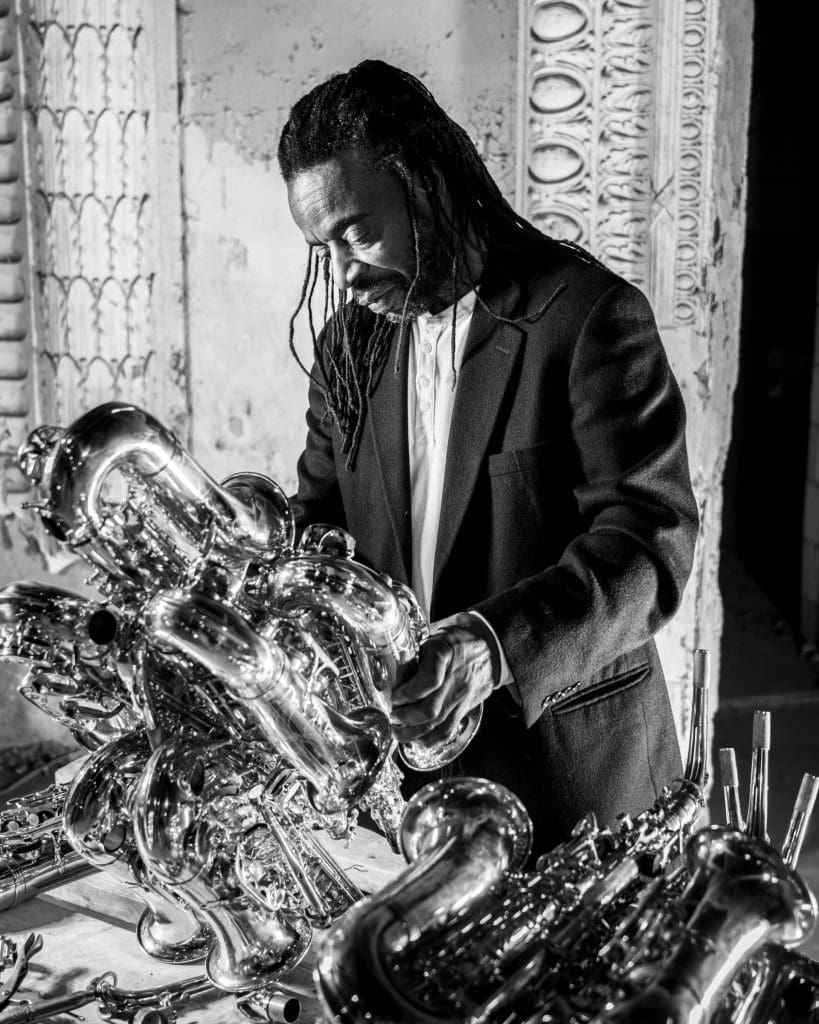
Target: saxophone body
pixel 224 732
pixel 650 921
pixel 67 642
pixel 192 815
pixel 155 539
pixel 97 819
pixel 35 855
pixel 337 753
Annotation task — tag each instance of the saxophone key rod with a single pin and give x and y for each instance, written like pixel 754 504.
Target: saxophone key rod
pixel 800 819
pixel 757 824
pixel 697 761
pixel 730 788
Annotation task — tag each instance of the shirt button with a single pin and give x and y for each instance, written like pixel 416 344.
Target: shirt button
pixel 424 382
pixel 426 406
pixel 427 347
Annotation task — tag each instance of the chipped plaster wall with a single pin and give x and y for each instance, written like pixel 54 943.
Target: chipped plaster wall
pixel 245 259
pixel 706 360
pixel 239 74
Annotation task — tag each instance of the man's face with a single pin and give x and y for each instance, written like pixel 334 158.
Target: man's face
pixel 356 215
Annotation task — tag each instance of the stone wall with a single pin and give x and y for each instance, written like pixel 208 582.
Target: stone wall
pixel 245 259
pixel 235 262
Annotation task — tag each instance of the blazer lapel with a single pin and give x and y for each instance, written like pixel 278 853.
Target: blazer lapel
pixel 489 360
pixel 387 415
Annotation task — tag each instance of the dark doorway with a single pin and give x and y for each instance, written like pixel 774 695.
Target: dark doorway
pixel 765 478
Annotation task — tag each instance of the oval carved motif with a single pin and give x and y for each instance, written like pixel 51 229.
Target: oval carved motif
pixel 694 36
pixel 555 92
pixel 686 282
pixel 684 312
pixel 690 162
pixel 558 224
pixel 556 20
pixel 688 223
pixel 555 162
pixel 691 131
pixel 686 252
pixel 692 70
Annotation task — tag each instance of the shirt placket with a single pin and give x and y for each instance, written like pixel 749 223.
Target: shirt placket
pixel 425 382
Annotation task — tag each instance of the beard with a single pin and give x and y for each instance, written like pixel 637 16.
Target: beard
pixel 433 289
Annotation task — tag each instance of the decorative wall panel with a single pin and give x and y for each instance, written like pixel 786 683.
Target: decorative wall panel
pixel 105 220
pixel 619 152
pixel 612 138
pixel 15 333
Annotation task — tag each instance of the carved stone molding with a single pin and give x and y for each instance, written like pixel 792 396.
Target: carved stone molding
pixel 612 122
pixel 15 333
pixel 616 139
pixel 105 224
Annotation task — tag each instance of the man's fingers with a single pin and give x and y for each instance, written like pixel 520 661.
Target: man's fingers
pixel 443 731
pixel 433 663
pixel 420 724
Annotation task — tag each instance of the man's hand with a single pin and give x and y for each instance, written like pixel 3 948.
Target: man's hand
pixel 458 667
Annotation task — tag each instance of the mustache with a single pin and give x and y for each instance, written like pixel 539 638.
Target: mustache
pixel 363 287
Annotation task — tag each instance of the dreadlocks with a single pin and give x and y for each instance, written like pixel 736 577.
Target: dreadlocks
pixel 388 116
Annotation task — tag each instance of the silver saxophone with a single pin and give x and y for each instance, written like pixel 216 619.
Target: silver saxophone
pixel 35 855
pixel 98 825
pixel 187 667
pixel 255 880
pixel 67 642
pixel 170 509
pixel 337 753
pixel 614 925
pixel 373 625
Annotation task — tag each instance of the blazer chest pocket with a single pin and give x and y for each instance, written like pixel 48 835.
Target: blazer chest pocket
pixel 521 460
pixel 593 694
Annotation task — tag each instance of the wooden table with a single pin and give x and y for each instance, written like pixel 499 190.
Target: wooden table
pixel 88 928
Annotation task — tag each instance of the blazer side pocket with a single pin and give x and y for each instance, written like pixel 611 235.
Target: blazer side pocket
pixel 520 460
pixel 602 690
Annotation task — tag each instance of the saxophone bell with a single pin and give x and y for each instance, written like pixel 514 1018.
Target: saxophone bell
pixel 191 809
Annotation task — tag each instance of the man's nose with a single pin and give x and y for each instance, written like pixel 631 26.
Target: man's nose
pixel 344 268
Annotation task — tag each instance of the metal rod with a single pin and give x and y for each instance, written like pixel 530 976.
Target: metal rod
pixel 696 768
pixel 758 798
pixel 800 819
pixel 730 788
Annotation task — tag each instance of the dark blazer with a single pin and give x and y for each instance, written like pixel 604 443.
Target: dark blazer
pixel 567 520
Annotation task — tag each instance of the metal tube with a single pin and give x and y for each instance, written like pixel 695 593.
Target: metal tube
pixel 800 819
pixel 696 768
pixel 730 788
pixel 757 825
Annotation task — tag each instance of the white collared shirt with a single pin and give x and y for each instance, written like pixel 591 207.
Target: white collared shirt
pixel 430 400
pixel 431 383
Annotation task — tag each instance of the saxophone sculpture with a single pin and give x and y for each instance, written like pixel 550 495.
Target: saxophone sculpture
pixel 223 725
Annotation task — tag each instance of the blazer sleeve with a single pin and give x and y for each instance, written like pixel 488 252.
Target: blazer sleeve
pixel 318 499
pixel 622 577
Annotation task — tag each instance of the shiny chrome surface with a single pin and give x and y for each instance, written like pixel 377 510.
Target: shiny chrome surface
pixel 34 853
pixel 186 660
pixel 191 814
pixel 463 835
pixel 83 510
pixel 337 753
pixel 98 825
pixel 615 924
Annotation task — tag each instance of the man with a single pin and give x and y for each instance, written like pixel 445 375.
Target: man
pixel 493 418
